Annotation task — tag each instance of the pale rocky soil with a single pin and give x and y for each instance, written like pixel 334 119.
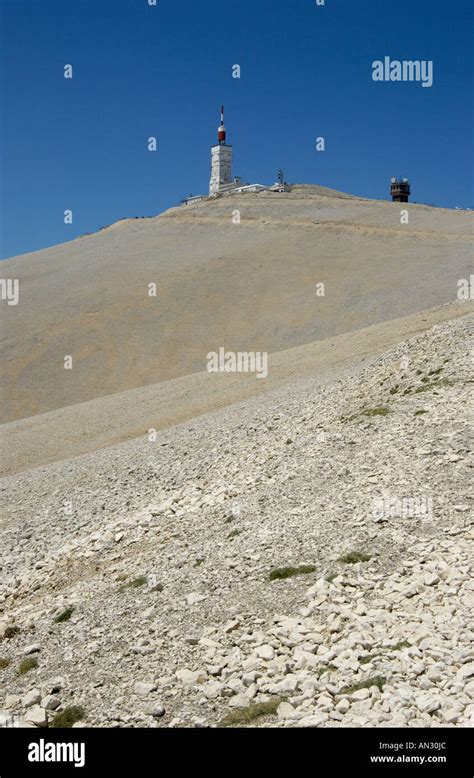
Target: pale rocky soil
pixel 86 427
pixel 207 511
pixel 246 287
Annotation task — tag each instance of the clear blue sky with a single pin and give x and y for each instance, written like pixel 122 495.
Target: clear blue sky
pixel 164 71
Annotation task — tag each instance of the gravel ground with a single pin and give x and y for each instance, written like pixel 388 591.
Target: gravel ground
pixel 297 559
pixel 83 428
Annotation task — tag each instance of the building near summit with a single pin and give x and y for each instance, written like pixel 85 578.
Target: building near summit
pixel 221 161
pixel 400 190
pixel 222 181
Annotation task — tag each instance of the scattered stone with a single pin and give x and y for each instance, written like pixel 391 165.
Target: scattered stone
pixel 55 685
pixel 265 652
pixel 360 694
pixel 287 685
pixel 12 700
pixel 286 711
pixel 37 716
pixel 190 677
pixel 194 598
pixel 343 706
pixel 155 709
pixel 316 720
pixel 426 703
pixel 238 701
pixel 50 702
pixel 141 688
pixel 231 626
pixel 33 649
pixel 149 613
pixel 32 697
pixel 465 671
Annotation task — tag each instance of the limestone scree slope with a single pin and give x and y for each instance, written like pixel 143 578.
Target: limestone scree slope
pixel 298 559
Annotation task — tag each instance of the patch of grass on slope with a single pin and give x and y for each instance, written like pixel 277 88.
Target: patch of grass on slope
pixel 65 615
pixel 26 665
pixel 252 712
pixel 375 680
pixel 135 584
pixel 68 716
pixel 353 557
pixel 288 572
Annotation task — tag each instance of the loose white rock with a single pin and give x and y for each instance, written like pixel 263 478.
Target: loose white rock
pixel 143 689
pixel 265 652
pixel 32 649
pixel 194 598
pixel 191 677
pixel 32 697
pixel 286 711
pixel 37 716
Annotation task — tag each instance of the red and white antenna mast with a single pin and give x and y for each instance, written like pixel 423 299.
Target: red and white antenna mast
pixel 221 129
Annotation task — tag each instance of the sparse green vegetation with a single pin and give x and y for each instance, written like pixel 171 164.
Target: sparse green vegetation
pixel 366 659
pixel 369 412
pixel 68 716
pixel 419 412
pixel 380 411
pixel 65 615
pixel 135 584
pixel 374 680
pixel 233 534
pixel 399 646
pixel 394 389
pixel 11 631
pixel 27 664
pixel 288 572
pixel 198 562
pixel 352 557
pixel 229 520
pixel 330 578
pixel 325 669
pixel 4 662
pixel 427 387
pixel 251 712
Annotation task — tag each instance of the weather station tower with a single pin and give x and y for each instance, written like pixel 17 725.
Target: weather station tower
pixel 221 161
pixel 400 190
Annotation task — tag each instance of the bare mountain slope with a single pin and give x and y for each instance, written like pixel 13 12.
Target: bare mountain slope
pixel 247 286
pixel 85 427
pixel 306 551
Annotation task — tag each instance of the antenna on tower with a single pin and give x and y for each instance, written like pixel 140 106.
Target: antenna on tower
pixel 221 131
pixel 281 177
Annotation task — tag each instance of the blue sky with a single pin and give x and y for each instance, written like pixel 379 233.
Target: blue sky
pixel 140 71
